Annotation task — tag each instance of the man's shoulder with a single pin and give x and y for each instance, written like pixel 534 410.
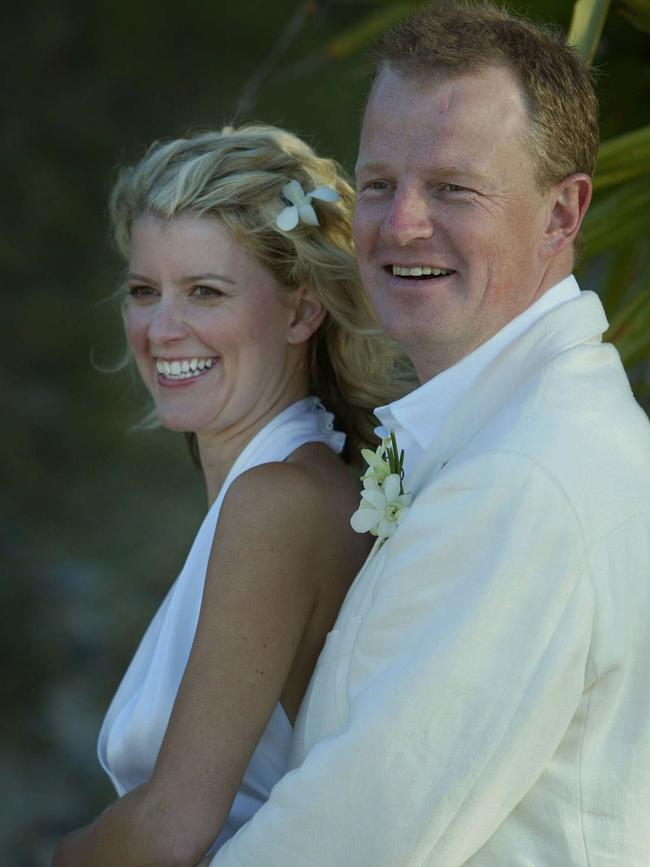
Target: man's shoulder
pixel 579 396
pixel 576 422
pixel 578 409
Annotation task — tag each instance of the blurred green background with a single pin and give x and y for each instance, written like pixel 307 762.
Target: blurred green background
pixel 95 520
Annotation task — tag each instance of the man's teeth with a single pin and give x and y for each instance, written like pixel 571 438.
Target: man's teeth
pixel 185 369
pixel 419 271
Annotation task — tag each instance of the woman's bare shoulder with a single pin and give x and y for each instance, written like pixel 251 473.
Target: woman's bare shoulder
pixel 284 487
pixel 313 481
pixel 307 501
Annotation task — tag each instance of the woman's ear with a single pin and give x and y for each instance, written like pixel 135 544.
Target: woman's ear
pixel 568 207
pixel 308 313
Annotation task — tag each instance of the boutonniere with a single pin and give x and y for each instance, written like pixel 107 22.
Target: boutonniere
pixel 384 502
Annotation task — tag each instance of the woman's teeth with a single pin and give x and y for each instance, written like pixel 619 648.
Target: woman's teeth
pixel 185 369
pixel 419 271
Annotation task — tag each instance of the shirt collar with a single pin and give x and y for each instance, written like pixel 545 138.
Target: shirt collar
pixel 420 413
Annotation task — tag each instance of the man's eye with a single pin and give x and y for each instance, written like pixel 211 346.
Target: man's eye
pixel 374 185
pixel 453 188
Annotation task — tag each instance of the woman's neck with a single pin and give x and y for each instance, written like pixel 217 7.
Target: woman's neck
pixel 220 450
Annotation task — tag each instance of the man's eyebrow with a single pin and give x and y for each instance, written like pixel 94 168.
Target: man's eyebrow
pixel 465 173
pixel 372 166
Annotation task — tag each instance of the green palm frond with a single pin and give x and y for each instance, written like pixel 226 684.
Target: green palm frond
pixel 629 327
pixel 637 12
pixel 618 217
pixel 620 270
pixel 363 33
pixel 622 158
pixel 587 24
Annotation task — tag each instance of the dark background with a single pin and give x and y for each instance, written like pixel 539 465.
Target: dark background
pixel 95 520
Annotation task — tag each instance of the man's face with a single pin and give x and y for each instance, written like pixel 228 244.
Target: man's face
pixel 449 223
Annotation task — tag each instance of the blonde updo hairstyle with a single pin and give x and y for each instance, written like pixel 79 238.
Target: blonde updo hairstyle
pixel 238 175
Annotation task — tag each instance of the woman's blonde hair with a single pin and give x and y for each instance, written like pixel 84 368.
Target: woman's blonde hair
pixel 237 175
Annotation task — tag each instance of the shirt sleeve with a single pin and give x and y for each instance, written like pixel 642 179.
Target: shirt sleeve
pixel 464 676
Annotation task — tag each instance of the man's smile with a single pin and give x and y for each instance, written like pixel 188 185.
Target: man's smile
pixel 417 271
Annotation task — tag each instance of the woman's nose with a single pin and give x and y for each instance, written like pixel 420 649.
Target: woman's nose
pixel 408 219
pixel 167 322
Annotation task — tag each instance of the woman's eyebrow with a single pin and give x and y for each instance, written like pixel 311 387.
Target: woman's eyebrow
pixel 192 278
pixel 208 275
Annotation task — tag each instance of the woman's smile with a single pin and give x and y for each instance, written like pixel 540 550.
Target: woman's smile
pixel 183 371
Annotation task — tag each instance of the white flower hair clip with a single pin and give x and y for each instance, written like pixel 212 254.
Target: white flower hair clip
pixel 301 210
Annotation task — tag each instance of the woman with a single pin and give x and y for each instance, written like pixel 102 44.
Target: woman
pixel 245 318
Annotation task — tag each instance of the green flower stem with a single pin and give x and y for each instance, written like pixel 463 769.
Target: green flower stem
pixel 396 463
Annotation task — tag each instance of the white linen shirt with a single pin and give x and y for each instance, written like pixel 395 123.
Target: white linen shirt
pixel 484 697
pixel 416 417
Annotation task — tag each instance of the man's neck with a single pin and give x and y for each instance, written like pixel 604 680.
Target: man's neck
pixel 434 360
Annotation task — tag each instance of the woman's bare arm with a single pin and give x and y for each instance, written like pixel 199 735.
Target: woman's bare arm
pixel 273 546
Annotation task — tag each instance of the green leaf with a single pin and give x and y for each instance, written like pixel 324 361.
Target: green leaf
pixel 620 271
pixel 629 329
pixel 623 157
pixel 637 13
pixel 369 28
pixel 586 26
pixel 618 217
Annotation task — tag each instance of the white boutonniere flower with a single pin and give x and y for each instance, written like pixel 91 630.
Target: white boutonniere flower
pixel 384 503
pixel 300 208
pixel 378 466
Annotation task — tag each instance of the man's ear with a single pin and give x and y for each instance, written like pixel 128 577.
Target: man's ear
pixel 571 198
pixel 308 313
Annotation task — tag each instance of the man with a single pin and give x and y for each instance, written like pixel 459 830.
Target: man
pixel 484 698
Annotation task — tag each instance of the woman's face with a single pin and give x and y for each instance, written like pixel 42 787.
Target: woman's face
pixel 209 326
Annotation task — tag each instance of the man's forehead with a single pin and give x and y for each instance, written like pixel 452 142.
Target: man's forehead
pixel 451 110
pixel 494 83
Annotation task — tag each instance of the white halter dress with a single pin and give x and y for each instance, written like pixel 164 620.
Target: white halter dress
pixel 135 724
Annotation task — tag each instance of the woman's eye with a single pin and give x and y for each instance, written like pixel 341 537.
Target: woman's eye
pixel 141 291
pixel 207 292
pixel 453 188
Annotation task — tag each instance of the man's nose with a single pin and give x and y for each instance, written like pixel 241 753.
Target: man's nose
pixel 167 323
pixel 409 218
